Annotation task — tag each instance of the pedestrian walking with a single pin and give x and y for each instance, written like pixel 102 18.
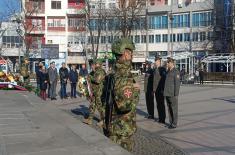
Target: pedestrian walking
pixel 148 89
pixel 64 75
pixel 158 89
pixel 53 76
pixel 43 78
pixel 122 124
pixel 171 92
pixel 73 78
pixel 201 76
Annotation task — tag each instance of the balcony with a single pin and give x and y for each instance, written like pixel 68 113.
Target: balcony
pixel 35 8
pixel 76 8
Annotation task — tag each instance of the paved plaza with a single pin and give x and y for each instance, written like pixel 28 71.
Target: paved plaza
pixel 31 126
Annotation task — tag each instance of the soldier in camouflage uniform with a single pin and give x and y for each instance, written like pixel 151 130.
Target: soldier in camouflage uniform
pixel 24 70
pixel 126 95
pixel 96 81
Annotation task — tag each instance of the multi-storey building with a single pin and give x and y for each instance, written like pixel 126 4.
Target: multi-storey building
pixel 179 28
pixel 57 22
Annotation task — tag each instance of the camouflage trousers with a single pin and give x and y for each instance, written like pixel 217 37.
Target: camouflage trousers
pixel 125 142
pixel 96 104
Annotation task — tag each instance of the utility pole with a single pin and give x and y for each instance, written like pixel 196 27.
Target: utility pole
pixel 147 32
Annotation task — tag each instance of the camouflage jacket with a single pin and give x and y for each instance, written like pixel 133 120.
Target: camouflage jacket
pixel 24 70
pixel 97 81
pixel 126 98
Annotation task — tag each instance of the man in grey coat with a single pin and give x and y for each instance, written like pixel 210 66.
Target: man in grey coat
pixel 171 92
pixel 158 89
pixel 53 75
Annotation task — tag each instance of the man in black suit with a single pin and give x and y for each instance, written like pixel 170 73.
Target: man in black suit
pixel 148 89
pixel 158 89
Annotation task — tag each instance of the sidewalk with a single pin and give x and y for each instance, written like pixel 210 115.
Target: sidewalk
pixel 29 126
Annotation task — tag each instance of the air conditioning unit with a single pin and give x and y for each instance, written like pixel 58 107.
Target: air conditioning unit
pixel 180 5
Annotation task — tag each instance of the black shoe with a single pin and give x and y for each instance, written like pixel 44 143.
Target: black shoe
pixel 66 98
pixel 75 96
pixel 150 117
pixel 171 127
pixel 54 98
pixel 162 122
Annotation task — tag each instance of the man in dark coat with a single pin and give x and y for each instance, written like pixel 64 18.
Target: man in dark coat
pixel 64 75
pixel 73 77
pixel 201 76
pixel 148 89
pixel 158 89
pixel 83 71
pixel 171 92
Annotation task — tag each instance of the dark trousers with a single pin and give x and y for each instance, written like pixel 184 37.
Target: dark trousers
pixel 160 106
pixel 43 94
pixel 73 89
pixel 201 80
pixel 172 103
pixel 63 92
pixel 149 97
pixel 49 89
pixel 53 89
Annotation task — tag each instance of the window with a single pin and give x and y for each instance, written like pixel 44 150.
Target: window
pixel 143 39
pixel 202 36
pixel 56 22
pixel 55 4
pixel 195 36
pixel 172 38
pixel 110 39
pixel 180 37
pixel 202 19
pixel 11 41
pixel 158 38
pixel 103 38
pixel 186 36
pixel 158 22
pixel 49 41
pixel 75 22
pixel 137 39
pixel 151 38
pixel 181 20
pixel 210 36
pixel 164 38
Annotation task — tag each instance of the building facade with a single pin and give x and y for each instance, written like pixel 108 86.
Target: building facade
pixel 57 22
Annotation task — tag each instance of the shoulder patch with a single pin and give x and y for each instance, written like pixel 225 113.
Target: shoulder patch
pixel 127 93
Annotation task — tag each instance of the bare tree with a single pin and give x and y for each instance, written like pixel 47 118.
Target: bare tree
pixel 128 14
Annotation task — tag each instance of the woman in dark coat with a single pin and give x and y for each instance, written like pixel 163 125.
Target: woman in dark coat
pixel 43 77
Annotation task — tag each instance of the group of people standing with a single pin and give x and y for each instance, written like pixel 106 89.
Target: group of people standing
pixel 47 79
pixel 163 82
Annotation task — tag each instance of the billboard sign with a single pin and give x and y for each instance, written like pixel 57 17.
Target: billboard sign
pixel 50 51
